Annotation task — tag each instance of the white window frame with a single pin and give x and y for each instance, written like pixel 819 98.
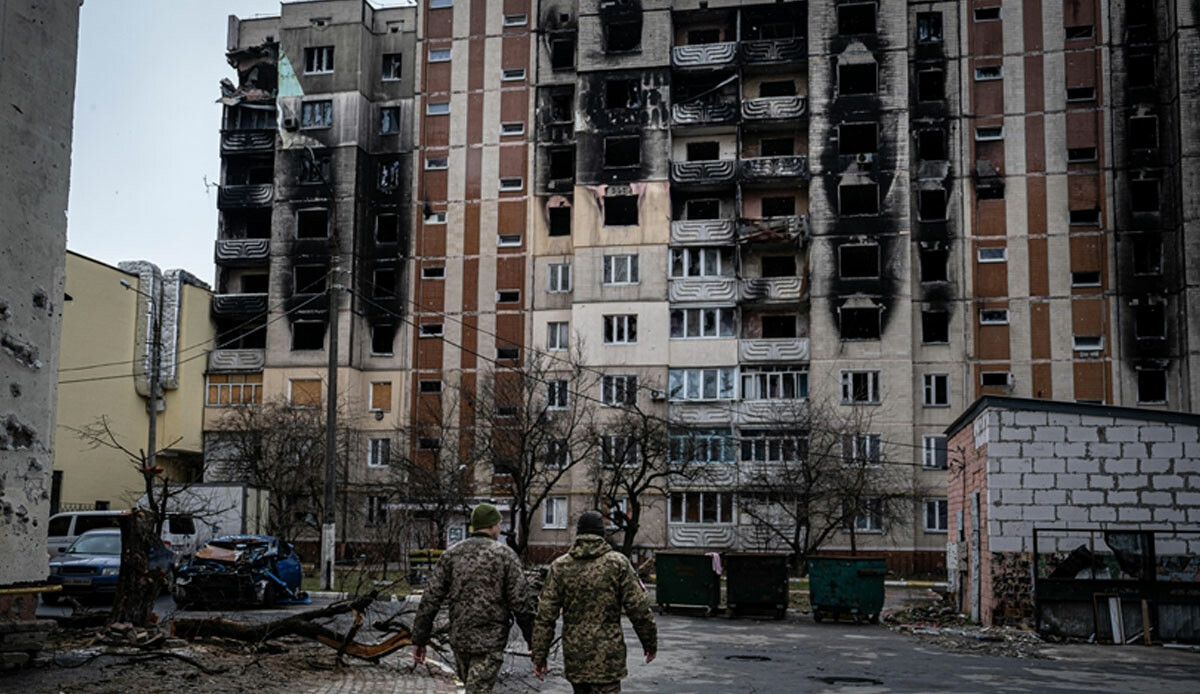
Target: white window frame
pixel 984 73
pixel 989 133
pixel 512 128
pixel 379 449
pixel 1077 99
pixel 863 449
pixel 439 55
pixel 983 377
pixel 997 18
pixel 437 163
pixel 610 267
pixel 397 75
pixel 772 446
pixel 437 108
pixel 696 317
pixel 872 520
pixel 624 444
pixel 512 74
pixel 514 293
pixel 377 508
pixel 929 397
pixel 930 446
pixel 322 103
pixel 702 384
pixel 515 20
pixel 554 513
pixel 701 260
pixel 1098 283
pixel 436 217
pixel 941 512
pixel 558 336
pixel 319 59
pixel 874 391
pixel 440 4
pixel 558 453
pixel 430 330
pixel 435 272
pixel 558 394
pixel 1087 343
pixel 558 278
pixel 508 240
pixel 995 319
pixel 248 393
pixel 770 382
pixel 682 499
pixel 613 386
pixel 512 184
pixel 620 329
pixel 992 255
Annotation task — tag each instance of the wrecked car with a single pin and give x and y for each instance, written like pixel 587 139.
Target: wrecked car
pixel 241 570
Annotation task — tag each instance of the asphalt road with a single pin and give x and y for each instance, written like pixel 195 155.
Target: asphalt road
pixel 166 610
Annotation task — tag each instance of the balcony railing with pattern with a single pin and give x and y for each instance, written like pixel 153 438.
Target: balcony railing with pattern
pixel 239 304
pixel 704 54
pixel 704 112
pixel 760 350
pixel 768 168
pixel 248 141
pixel 773 51
pixel 721 289
pixel 702 231
pixel 237 359
pixel 235 252
pixel 774 108
pixel 772 289
pixel 249 195
pixel 773 229
pixel 714 171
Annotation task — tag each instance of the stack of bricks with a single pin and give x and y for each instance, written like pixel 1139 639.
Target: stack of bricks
pixel 21 635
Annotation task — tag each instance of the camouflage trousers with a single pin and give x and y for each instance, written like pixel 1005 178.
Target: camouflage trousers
pixel 478 671
pixel 592 688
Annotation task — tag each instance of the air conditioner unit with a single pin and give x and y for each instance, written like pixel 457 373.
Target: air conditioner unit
pixel 658 395
pixel 290 124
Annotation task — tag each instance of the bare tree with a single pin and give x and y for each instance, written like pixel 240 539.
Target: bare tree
pixel 533 424
pixel 815 472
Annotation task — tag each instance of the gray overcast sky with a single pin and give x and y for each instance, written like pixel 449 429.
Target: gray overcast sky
pixel 146 129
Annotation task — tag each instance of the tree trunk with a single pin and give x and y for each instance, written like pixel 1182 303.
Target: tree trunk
pixel 138 585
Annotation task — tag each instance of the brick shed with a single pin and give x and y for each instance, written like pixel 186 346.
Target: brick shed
pixel 1112 494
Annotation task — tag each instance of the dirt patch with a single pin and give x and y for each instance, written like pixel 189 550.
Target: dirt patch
pixel 941 625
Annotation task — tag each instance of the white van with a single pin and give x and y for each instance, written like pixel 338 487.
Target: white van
pixel 67 526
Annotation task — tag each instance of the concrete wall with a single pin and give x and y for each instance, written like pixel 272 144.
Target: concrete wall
pixel 37 84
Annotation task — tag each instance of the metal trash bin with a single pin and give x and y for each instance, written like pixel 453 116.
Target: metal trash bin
pixel 850 586
pixel 756 583
pixel 686 579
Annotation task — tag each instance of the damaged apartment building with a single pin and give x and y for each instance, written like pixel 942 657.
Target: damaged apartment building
pixel 730 208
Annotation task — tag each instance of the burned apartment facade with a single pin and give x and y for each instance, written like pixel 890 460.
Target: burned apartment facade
pixel 729 209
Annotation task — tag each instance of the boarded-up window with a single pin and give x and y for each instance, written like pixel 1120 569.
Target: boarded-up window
pixel 305 392
pixel 381 396
pixel 234 389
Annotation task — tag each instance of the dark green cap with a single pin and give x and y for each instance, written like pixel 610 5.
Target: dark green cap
pixel 484 516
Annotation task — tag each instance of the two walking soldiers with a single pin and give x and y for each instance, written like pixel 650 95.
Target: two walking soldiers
pixel 591 586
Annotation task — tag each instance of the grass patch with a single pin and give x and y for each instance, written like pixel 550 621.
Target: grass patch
pixel 359 581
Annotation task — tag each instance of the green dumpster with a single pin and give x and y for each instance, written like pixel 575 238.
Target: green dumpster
pixel 847 586
pixel 686 579
pixel 756 583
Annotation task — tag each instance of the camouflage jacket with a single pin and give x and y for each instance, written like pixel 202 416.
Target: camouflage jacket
pixel 482 582
pixel 591 585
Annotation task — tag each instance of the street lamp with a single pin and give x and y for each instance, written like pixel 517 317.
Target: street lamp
pixel 149 465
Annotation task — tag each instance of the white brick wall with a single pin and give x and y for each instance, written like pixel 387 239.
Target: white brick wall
pixel 1056 470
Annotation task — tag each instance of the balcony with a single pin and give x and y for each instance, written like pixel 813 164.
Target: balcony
pixel 242 252
pixel 700 535
pixel 774 168
pixel 762 350
pixel 774 108
pixel 235 305
pixel 247 195
pixel 772 289
pixel 703 173
pixel 773 51
pixel 704 55
pixel 237 360
pixel 722 289
pixel 235 141
pixel 704 413
pixel 704 112
pixel 560 185
pixel 701 231
pixel 773 229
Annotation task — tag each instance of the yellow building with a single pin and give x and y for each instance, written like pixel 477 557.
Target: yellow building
pixel 104 371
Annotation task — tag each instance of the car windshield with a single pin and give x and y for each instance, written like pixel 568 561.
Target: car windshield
pixel 97 544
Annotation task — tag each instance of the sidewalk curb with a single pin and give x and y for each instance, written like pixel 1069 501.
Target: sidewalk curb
pixel 327 595
pixel 917 584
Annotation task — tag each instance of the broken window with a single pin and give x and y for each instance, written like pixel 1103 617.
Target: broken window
pixel 857 78
pixel 429 386
pixel 562 52
pixel 622 152
pixel 387 228
pixel 430 330
pixel 389 174
pixel 777 88
pixel 316 114
pixel 931 145
pixel 389 120
pixel 992 255
pixel 858 199
pixel 858 138
pixel 777 147
pixel 688 323
pixel 778 266
pixel 623 36
pixel 1152 386
pixel 620 329
pixel 703 151
pixel 934 264
pixel 562 163
pixel 1147 255
pixel 935 327
pixel 315 170
pixel 1084 217
pixel 856 19
pixel 318 60
pixel 936 392
pixel 1143 196
pixel 987 14
pixel 993 316
pixel 308 334
pixel 246 117
pixel 1076 155
pixel 988 133
pixel 1081 93
pixel 1079 33
pixel 312 224
pixel 1143 132
pixel 508 296
pixel 242 335
pixel 382 337
pixel 562 107
pixel 931 205
pixel 931 85
pixel 256 283
pixel 929 27
pixel 1150 321
pixel 508 353
pixel 986 73
pixel 699 36
pixel 560 221
pixel 859 323
pixel 990 189
pixel 383 283
pixel 784 206
pixel 702 209
pixel 622 94
pixel 309 279
pixel 392 63
pixel 778 327
pixel 620 210
pixel 433 272
pixel 860 387
pixel 995 379
pixel 933 452
pixel 620 269
pixel 858 262
pixel 1141 70
pixel 694 262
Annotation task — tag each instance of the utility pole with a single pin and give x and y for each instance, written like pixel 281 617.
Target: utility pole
pixel 149 465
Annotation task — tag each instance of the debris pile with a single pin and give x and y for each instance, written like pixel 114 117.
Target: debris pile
pixel 942 625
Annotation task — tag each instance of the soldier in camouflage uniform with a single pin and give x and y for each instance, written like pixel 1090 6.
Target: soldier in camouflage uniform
pixel 483 583
pixel 591 585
